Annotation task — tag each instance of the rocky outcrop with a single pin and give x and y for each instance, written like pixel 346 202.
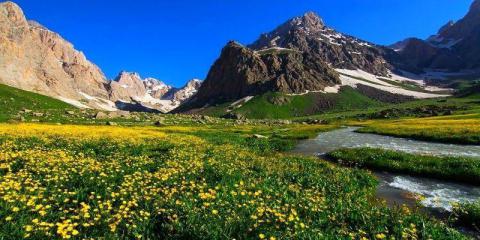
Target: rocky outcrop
pixel 241 72
pixel 156 88
pixel 36 59
pixel 127 86
pixel 180 95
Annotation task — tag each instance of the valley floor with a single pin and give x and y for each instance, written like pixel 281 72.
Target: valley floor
pixel 187 182
pixel 69 173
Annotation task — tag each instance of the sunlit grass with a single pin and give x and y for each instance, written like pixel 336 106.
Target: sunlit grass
pixel 459 169
pixel 112 182
pixel 463 129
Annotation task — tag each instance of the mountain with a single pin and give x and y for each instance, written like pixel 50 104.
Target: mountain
pixel 309 34
pixel 180 95
pixel 241 72
pixel 128 89
pixel 304 55
pixel 454 48
pixel 36 59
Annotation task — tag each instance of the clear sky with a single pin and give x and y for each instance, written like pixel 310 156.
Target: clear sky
pixel 176 40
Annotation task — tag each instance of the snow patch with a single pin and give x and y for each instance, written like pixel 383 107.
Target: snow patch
pixel 363 75
pixel 373 81
pixel 73 102
pixel 329 89
pixel 87 96
pixel 272 48
pixel 333 89
pixel 101 103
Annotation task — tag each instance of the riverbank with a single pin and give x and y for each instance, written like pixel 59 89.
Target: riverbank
pixel 459 169
pixel 458 129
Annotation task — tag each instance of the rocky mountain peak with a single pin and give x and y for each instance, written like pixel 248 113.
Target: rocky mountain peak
pixel 241 71
pixel 13 13
pixel 295 29
pixel 126 86
pixel 125 76
pixel 311 20
pixel 308 23
pixel 453 48
pixel 194 83
pixel 445 27
pixel 461 29
pixel 180 95
pixel 475 7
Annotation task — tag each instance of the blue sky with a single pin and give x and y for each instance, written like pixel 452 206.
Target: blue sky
pixel 177 40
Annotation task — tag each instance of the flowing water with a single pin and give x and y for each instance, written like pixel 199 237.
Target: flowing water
pixel 348 138
pixel 398 189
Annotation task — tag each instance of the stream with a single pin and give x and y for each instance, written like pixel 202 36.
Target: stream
pixel 395 188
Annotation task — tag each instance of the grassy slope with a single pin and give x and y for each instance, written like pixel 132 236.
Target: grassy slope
pixel 14 100
pixel 261 107
pixel 447 168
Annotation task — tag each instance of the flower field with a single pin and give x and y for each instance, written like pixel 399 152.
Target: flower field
pixel 464 129
pixel 109 182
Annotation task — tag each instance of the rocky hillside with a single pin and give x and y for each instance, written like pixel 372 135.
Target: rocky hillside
pixel 454 48
pixel 36 59
pixel 241 72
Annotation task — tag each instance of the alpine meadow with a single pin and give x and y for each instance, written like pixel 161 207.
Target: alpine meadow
pixel 306 132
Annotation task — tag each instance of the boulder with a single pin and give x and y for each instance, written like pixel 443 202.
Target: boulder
pixel 101 115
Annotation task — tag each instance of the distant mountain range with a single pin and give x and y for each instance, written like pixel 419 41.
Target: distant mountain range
pixel 456 46
pixel 300 56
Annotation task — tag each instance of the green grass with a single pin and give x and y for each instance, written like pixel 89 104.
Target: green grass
pixel 459 129
pixel 262 107
pixel 187 186
pixel 13 100
pixel 350 99
pixel 468 214
pixel 459 169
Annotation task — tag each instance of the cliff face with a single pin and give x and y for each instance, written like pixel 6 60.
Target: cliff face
pixel 241 72
pixel 36 59
pixel 127 86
